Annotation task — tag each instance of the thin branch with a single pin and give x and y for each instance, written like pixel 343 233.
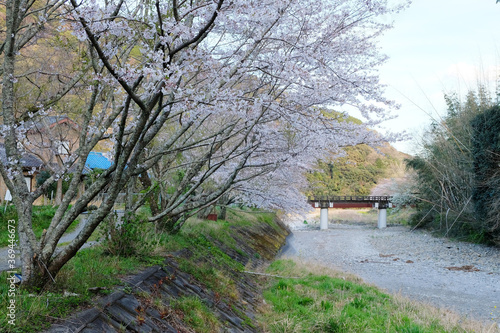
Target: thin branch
pixel 200 34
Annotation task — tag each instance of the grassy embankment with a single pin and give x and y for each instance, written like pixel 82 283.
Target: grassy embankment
pixel 311 298
pixel 308 299
pixel 101 267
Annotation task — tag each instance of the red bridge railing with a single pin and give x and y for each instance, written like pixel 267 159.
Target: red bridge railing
pixel 351 201
pixel 352 198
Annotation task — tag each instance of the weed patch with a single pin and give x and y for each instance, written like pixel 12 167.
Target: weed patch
pixel 196 314
pixel 314 302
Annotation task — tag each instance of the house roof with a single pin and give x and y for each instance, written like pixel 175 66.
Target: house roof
pixel 49 122
pixel 27 160
pixel 97 160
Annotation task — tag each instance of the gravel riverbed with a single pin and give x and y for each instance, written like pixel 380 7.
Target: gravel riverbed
pixel 458 276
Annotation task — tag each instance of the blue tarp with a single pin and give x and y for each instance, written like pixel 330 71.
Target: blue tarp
pixel 97 160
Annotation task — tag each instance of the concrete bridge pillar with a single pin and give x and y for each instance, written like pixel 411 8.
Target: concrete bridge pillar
pixel 323 218
pixel 382 218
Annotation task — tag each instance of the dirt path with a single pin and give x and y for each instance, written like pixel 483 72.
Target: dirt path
pixel 412 263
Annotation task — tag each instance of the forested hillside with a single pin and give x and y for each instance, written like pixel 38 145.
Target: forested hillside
pixel 357 172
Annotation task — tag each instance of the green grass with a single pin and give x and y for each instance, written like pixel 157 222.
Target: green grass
pixel 208 263
pixel 333 303
pixel 400 215
pixel 35 312
pixel 197 314
pixel 89 268
pixel 214 278
pixel 42 216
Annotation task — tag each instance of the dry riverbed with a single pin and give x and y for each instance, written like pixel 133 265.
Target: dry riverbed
pixel 458 276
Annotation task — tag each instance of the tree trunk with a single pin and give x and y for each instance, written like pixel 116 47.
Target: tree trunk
pixel 129 199
pixel 33 270
pixel 176 227
pixel 153 196
pixel 203 213
pixel 222 212
pixel 169 224
pixel 224 201
pixel 59 193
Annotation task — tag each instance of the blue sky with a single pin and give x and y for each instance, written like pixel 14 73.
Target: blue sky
pixel 438 46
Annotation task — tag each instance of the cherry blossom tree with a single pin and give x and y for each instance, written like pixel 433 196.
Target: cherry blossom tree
pixel 228 94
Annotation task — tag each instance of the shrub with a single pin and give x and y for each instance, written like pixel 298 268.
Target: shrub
pixel 486 154
pixel 445 170
pixel 122 235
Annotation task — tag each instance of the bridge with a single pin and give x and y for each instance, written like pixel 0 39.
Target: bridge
pixel 379 202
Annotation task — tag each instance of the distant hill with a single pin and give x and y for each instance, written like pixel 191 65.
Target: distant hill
pixel 357 173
